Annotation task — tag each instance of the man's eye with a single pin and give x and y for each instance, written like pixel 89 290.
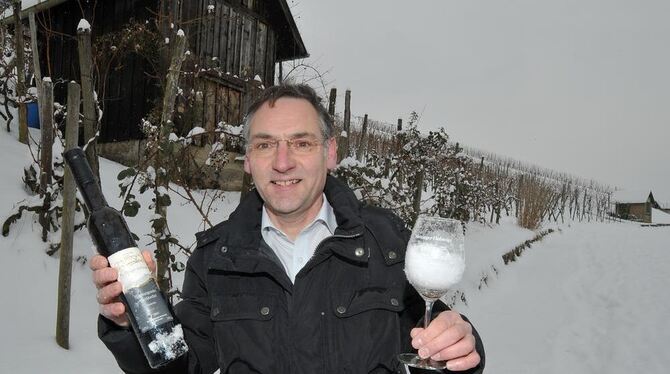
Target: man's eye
pixel 263 146
pixel 302 144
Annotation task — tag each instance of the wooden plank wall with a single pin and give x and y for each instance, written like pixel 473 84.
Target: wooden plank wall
pixel 222 103
pixel 236 38
pixel 128 93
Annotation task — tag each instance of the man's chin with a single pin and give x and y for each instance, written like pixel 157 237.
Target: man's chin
pixel 282 208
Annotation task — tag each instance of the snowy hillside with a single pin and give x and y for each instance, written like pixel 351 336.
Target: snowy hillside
pixel 587 298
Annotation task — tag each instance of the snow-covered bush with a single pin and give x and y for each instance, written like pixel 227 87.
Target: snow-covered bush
pixel 423 174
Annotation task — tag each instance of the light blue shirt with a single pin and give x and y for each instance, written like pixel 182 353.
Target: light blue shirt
pixel 295 254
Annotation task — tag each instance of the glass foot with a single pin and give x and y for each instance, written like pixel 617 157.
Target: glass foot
pixel 413 360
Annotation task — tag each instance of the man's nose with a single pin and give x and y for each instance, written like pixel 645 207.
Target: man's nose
pixel 283 158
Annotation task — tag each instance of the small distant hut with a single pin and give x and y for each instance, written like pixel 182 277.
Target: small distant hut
pixel 634 206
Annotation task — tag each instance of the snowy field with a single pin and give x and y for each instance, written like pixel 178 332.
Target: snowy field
pixel 588 298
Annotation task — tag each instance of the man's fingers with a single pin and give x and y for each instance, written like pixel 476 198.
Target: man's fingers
pixel 441 323
pixel 464 363
pixel 115 312
pixel 104 276
pixel 109 293
pixel 98 262
pixel 105 280
pixel 461 348
pixel 447 338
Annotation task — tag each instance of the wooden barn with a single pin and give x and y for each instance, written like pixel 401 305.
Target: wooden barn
pixel 231 41
pixel 635 207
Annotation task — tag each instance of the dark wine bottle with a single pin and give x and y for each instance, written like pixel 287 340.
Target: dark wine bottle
pixel 161 338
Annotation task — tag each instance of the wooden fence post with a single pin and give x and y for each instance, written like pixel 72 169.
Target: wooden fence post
pixel 418 190
pixel 253 92
pixel 246 185
pixel 343 146
pixel 519 198
pixel 280 76
pixel 397 138
pixel 36 60
pixel 199 110
pixel 46 145
pixel 67 224
pixel 169 97
pixel 20 73
pixel 46 142
pixel 90 115
pixel 331 102
pixel 360 152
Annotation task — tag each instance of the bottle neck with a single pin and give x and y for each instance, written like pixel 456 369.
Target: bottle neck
pixel 86 181
pixel 92 194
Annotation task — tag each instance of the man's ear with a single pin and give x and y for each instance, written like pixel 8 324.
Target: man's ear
pixel 331 157
pixel 247 167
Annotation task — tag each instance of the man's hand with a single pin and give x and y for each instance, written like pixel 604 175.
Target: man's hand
pixel 109 289
pixel 447 338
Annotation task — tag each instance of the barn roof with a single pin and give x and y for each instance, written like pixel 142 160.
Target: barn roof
pixel 291 45
pixel 640 196
pixel 630 196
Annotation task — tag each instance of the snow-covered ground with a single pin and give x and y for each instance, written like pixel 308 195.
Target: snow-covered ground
pixel 588 298
pixel 659 216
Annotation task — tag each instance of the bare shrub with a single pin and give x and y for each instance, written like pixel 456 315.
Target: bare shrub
pixel 534 200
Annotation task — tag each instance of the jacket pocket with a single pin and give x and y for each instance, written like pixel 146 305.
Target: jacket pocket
pixel 367 327
pixel 245 332
pixel 243 307
pixel 348 304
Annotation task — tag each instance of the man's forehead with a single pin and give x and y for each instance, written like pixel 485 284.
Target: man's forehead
pixel 288 117
pixel 295 135
pixel 298 103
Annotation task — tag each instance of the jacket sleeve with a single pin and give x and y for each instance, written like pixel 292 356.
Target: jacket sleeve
pixel 193 314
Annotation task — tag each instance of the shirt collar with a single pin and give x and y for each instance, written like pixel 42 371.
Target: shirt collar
pixel 325 215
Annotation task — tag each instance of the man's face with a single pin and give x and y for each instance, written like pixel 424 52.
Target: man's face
pixel 289 181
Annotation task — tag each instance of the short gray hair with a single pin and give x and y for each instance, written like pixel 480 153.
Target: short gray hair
pixel 297 91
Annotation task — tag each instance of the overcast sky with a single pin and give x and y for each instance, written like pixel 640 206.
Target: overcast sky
pixel 576 86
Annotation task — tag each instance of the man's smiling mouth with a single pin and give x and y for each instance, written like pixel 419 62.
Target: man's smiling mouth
pixel 286 182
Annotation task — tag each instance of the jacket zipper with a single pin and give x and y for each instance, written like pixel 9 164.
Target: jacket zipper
pixel 324 324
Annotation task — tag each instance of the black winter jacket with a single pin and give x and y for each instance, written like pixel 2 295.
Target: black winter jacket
pixel 349 311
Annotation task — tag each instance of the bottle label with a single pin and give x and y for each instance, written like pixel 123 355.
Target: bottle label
pixel 142 295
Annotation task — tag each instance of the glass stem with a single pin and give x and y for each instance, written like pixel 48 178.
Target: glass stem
pixel 429 312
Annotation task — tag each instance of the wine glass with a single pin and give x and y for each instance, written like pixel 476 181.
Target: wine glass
pixel 434 262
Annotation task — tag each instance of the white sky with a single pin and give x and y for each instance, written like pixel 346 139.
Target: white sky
pixel 576 86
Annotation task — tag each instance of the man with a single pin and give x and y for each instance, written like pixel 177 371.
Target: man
pixel 302 278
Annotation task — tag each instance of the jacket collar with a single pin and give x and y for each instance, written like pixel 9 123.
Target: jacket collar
pixel 241 233
pixel 243 228
pixel 346 206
